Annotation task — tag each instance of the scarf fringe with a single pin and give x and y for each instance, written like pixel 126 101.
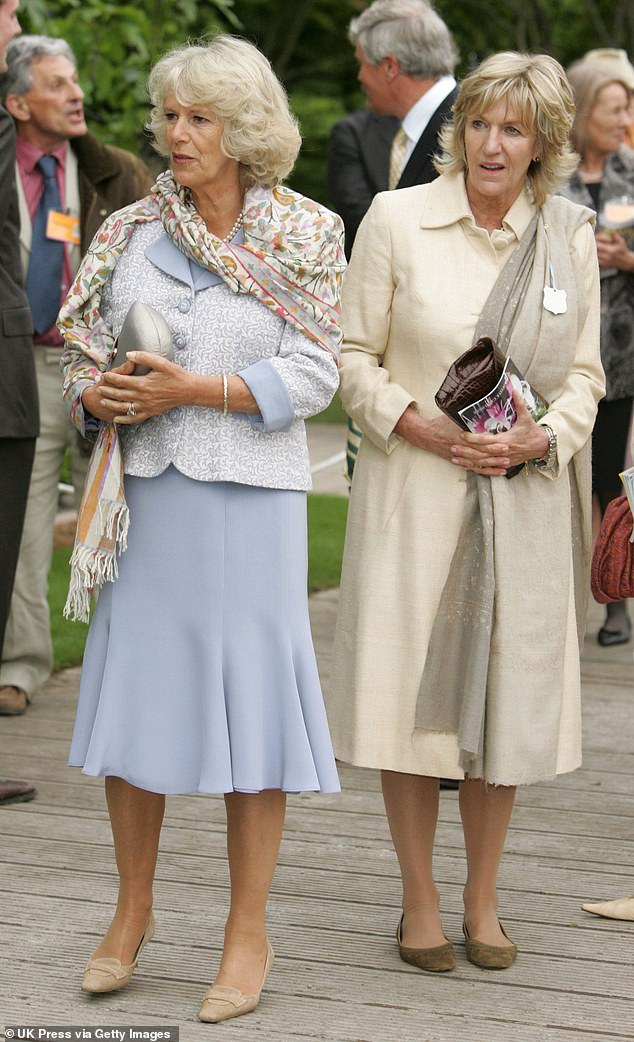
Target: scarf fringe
pixel 90 568
pixel 115 517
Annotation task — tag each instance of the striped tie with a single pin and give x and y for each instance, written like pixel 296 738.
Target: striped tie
pixel 397 156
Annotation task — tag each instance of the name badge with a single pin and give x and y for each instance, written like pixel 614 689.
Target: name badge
pixel 62 227
pixel 555 300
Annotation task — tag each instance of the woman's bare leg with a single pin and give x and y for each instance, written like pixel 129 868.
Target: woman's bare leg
pixel 136 817
pixel 254 831
pixel 486 812
pixel 411 803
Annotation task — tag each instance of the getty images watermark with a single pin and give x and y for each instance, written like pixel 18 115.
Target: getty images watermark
pixel 80 1033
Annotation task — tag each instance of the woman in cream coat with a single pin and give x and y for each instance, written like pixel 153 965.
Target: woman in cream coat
pixel 429 680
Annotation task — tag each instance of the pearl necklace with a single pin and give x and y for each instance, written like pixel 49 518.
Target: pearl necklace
pixel 236 228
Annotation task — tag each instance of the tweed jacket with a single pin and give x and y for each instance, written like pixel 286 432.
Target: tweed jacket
pixel 617 287
pixel 108 178
pixel 18 390
pixel 216 331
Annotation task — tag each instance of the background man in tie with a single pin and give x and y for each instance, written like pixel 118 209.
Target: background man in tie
pixel 67 182
pixel 406 57
pixel 18 390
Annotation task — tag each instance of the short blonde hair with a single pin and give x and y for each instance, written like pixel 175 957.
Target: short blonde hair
pixel 535 89
pixel 236 81
pixel 587 78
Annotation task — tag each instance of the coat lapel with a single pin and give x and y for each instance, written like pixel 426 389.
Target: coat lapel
pixel 419 168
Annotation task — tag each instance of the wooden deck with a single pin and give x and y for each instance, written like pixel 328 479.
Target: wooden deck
pixel 335 901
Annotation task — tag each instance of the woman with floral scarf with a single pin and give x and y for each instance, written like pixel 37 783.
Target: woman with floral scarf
pixel 199 673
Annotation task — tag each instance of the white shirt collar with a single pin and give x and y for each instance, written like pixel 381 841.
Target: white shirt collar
pixel 420 114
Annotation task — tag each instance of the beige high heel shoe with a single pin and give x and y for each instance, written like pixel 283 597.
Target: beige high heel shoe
pixel 222 1002
pixel 105 974
pixel 620 908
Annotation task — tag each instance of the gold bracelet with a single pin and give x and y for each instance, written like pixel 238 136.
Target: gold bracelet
pixel 225 394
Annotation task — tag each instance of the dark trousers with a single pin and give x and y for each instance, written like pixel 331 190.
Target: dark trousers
pixel 609 445
pixel 16 460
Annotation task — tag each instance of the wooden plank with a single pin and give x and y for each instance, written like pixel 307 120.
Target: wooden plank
pixel 335 899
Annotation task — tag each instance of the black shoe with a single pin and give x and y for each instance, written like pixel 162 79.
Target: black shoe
pixel 606 638
pixel 16 792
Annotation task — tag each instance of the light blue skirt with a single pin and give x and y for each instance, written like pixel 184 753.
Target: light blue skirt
pixel 199 673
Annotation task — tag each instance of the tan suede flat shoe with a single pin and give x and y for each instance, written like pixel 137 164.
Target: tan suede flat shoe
pixel 105 974
pixel 222 1002
pixel 489 956
pixel 440 959
pixel 13 700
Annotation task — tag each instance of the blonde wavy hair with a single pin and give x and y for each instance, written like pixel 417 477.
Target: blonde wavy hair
pixel 236 81
pixel 535 89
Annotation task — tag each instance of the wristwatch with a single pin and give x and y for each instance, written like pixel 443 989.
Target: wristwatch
pixel 548 461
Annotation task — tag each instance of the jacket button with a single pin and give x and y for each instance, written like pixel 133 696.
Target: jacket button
pixel 184 305
pixel 180 340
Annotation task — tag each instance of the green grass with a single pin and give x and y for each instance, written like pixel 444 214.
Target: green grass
pixel 68 637
pixel 65 473
pixel 333 414
pixel 326 527
pixel 326 530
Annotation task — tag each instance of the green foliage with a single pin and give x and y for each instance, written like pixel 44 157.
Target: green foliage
pixel 563 28
pixel 306 41
pixel 116 45
pixel 316 116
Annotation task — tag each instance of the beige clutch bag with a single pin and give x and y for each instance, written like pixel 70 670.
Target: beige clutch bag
pixel 143 329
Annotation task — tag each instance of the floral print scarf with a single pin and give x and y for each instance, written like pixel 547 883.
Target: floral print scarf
pixel 292 260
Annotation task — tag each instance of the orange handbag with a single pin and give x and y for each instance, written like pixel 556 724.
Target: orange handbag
pixel 612 574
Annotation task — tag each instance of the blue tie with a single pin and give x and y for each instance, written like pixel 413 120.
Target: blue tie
pixel 44 277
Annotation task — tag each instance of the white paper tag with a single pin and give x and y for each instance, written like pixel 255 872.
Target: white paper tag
pixel 555 300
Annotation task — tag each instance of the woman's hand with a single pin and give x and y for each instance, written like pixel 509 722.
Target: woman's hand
pixel 92 397
pixel 127 399
pixel 493 454
pixel 444 438
pixel 612 252
pixel 437 436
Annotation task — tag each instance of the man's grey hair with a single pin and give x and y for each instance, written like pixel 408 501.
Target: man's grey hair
pixel 21 53
pixel 412 31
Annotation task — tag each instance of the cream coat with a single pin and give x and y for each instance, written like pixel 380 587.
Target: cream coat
pixel 420 274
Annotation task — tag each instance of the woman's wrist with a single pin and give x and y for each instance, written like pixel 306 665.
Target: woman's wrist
pixel 542 442
pixel 548 458
pixel 409 423
pixel 209 392
pixel 205 391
